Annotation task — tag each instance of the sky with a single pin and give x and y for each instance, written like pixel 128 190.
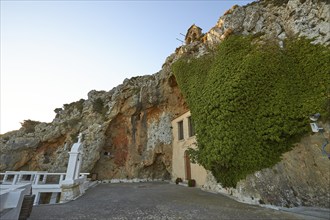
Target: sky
pixel 55 52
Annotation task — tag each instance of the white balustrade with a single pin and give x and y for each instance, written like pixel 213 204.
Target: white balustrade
pixel 44 182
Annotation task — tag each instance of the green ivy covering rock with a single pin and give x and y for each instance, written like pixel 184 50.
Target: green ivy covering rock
pixel 251 101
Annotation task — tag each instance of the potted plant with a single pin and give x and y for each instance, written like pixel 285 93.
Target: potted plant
pixel 178 180
pixel 191 183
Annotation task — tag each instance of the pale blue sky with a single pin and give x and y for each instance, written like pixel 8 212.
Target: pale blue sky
pixel 55 52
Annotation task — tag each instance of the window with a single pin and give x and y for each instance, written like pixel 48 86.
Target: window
pixel 191 127
pixel 180 130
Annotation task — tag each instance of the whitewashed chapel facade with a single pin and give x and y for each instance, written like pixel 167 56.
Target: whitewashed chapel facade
pixel 183 139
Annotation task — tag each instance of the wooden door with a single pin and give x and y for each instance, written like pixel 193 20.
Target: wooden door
pixel 187 165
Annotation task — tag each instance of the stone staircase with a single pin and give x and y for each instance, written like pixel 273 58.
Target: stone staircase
pixel 26 207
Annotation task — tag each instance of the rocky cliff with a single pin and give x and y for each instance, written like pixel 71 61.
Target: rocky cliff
pixel 301 179
pixel 127 130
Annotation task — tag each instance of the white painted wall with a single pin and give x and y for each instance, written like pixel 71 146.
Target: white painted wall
pixel 11 199
pixel 179 147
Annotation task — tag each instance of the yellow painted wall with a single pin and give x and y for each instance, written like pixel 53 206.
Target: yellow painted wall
pixel 179 147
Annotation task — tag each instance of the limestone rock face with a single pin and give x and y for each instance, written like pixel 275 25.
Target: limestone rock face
pixel 126 132
pixel 276 21
pixel 137 139
pixel 301 179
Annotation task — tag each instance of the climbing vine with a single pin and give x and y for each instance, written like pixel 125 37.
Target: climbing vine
pixel 251 101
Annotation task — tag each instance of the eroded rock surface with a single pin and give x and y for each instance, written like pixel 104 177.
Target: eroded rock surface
pixel 126 132
pixel 301 179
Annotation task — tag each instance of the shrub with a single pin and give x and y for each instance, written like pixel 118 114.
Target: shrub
pixel 79 105
pixel 72 122
pixel 251 102
pixel 191 183
pixel 74 137
pixel 58 110
pixel 29 125
pixel 98 106
pixel 275 2
pixel 178 180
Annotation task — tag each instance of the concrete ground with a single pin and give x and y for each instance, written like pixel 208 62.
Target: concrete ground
pixel 158 200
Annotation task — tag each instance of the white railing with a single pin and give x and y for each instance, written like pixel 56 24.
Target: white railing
pixel 33 177
pixel 42 182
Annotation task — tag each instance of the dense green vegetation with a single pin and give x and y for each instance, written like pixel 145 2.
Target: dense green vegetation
pixel 29 125
pixel 250 102
pixel 98 106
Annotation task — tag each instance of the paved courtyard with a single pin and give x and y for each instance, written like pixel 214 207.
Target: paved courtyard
pixel 157 200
